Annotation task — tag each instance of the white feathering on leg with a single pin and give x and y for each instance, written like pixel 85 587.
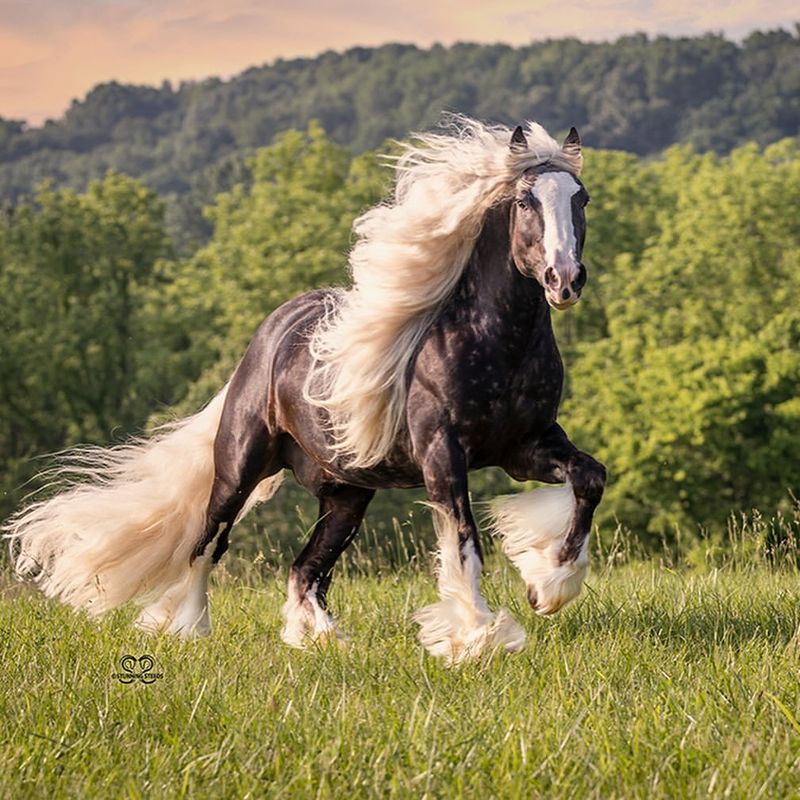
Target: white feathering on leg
pixel 183 609
pixel 461 626
pixel 297 619
pixel 533 527
pixel 306 620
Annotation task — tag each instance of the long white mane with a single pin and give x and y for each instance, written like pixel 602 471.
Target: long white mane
pixel 409 255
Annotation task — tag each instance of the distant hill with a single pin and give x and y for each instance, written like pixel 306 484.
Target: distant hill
pixel 636 94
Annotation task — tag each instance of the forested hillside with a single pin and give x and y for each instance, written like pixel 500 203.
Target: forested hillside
pixel 636 94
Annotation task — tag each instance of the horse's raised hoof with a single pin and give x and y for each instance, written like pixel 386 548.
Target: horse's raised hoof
pixel 27 568
pixel 542 611
pixel 564 586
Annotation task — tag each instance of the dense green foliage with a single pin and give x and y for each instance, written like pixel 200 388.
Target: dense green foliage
pixel 690 393
pixel 656 684
pixel 285 231
pixel 86 339
pixel 635 94
pixel 682 357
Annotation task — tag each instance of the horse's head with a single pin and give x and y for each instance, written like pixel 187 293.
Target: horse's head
pixel 548 224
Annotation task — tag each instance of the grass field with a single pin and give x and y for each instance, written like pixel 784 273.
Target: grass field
pixel 656 683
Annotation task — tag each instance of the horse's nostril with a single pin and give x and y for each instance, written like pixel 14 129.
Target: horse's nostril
pixel 580 281
pixel 565 294
pixel 550 277
pixel 533 599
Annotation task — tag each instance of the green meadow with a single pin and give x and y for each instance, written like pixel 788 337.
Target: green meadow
pixel 662 680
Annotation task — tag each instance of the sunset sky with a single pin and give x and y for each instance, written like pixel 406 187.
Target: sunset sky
pixel 52 51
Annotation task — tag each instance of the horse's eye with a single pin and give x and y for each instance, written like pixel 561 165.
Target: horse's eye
pixel 521 203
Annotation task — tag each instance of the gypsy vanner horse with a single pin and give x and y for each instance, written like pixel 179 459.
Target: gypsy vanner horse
pixel 440 358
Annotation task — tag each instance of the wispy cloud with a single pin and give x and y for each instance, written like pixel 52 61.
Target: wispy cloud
pixel 52 50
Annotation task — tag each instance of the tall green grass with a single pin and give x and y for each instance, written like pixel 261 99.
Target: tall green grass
pixel 678 676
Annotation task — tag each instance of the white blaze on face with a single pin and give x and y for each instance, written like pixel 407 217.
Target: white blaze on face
pixel 554 190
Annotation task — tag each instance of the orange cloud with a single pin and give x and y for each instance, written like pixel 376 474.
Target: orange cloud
pixel 52 51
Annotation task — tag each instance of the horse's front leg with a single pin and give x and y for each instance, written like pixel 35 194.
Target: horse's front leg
pixel 545 532
pixel 460 626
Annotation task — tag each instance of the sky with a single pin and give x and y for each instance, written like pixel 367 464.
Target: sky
pixel 52 51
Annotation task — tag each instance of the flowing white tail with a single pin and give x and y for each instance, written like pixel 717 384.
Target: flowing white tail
pixel 125 526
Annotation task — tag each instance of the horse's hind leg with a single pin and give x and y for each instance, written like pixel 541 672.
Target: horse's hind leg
pixel 341 509
pixel 243 455
pixel 183 608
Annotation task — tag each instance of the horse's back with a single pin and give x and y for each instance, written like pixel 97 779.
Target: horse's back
pixel 277 342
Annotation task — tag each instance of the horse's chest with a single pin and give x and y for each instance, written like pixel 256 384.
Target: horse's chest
pixel 498 396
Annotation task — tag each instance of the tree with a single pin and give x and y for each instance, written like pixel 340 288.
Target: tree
pixel 691 399
pixel 76 364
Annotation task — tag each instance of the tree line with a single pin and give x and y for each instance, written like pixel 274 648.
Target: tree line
pixel 682 357
pixel 637 94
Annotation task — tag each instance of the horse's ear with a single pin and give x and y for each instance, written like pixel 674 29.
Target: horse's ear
pixel 573 141
pixel 518 143
pixel 572 147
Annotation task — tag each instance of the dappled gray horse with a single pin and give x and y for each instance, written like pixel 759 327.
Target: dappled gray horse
pixel 440 358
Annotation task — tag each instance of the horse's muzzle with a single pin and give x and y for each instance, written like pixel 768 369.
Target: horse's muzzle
pixel 562 301
pixel 563 285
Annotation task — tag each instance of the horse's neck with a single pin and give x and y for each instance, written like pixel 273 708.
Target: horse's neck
pixel 493 285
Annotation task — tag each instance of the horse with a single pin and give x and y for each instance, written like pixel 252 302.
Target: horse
pixel 440 358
